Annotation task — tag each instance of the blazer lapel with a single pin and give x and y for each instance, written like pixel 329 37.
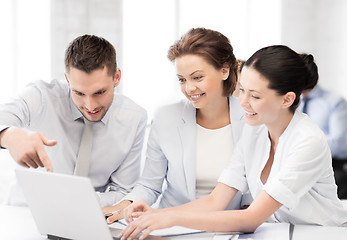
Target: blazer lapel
pixel 187 132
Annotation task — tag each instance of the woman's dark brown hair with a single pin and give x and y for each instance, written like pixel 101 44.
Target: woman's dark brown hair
pixel 286 70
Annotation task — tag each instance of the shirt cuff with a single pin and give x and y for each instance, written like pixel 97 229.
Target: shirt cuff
pixel 3 128
pixel 281 193
pixel 236 181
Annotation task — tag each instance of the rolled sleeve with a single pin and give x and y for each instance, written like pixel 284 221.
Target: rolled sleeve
pixel 284 196
pixel 237 182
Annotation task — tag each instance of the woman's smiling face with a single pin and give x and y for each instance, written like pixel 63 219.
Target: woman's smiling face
pixel 200 81
pixel 262 105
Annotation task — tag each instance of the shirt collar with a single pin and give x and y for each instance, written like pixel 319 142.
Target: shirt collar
pixel 75 113
pixel 316 91
pixel 105 118
pixel 296 117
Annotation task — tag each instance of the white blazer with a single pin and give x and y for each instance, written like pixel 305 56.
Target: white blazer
pixel 171 155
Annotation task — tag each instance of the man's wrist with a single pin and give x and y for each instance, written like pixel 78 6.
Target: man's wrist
pixel 125 202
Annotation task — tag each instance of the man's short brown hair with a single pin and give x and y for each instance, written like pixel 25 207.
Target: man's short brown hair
pixel 88 53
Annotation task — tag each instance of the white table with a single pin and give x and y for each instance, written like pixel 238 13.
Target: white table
pixel 16 223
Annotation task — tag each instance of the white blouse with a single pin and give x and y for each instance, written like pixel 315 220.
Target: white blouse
pixel 301 177
pixel 213 151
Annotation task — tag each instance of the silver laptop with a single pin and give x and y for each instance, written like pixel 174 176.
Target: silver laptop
pixel 64 207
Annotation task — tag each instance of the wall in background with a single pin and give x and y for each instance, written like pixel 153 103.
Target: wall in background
pixel 148 76
pixel 318 27
pixel 70 19
pixel 24 44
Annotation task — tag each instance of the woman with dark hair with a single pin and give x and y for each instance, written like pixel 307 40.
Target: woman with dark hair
pixel 191 141
pixel 282 158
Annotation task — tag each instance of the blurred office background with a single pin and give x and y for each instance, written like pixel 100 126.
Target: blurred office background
pixel 35 33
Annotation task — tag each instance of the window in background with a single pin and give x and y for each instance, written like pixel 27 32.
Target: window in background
pixel 7 49
pixel 151 27
pixel 25 54
pixel 249 25
pixel 149 30
pixel 26 48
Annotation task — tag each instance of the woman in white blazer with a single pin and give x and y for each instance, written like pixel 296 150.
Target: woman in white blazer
pixel 282 157
pixel 171 154
pixel 190 142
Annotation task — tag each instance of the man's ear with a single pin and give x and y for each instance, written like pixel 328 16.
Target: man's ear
pixel 117 77
pixel 288 99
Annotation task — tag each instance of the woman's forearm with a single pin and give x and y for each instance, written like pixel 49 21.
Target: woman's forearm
pixel 228 221
pixel 217 200
pixel 217 221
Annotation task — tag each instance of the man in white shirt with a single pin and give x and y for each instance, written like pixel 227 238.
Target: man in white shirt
pixel 43 127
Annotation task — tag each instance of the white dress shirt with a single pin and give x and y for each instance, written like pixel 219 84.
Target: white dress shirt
pixel 117 139
pixel 301 176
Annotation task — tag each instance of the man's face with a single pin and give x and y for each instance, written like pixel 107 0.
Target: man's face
pixel 92 93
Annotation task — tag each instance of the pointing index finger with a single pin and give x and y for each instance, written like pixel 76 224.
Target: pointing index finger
pixel 44 160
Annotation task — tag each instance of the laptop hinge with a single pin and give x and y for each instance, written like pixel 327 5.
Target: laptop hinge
pixel 56 237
